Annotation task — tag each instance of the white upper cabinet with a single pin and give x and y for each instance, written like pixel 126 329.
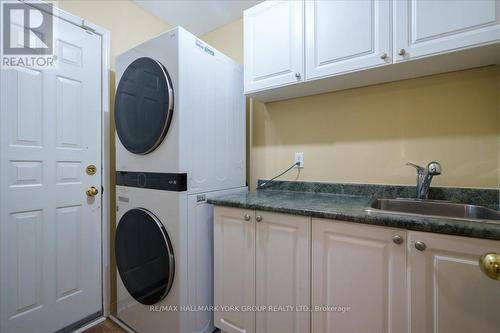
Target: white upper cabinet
pixel 304 47
pixel 448 291
pixel 273 44
pixel 344 36
pixel 424 28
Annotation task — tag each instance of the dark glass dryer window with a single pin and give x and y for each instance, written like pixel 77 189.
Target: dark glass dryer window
pixel 144 256
pixel 144 105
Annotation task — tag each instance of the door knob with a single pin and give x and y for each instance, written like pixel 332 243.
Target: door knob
pixel 247 217
pixel 490 265
pixel 402 52
pixel 258 218
pixel 384 56
pixel 91 191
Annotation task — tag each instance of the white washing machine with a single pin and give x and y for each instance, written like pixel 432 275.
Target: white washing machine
pixel 180 123
pixel 179 115
pixel 163 250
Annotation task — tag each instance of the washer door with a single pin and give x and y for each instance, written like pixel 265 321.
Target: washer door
pixel 144 256
pixel 144 105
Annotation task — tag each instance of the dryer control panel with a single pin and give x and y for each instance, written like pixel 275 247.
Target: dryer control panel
pixel 176 182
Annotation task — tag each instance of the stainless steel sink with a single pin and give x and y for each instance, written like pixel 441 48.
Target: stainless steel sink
pixel 434 208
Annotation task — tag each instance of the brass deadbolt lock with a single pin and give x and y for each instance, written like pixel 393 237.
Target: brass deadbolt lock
pixel 91 170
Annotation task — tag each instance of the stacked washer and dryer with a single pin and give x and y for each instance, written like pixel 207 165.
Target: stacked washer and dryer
pixel 180 125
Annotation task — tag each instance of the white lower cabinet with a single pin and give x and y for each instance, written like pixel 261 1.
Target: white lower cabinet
pixel 282 272
pixel 234 269
pixel 448 291
pixel 361 270
pixel 262 270
pixel 270 268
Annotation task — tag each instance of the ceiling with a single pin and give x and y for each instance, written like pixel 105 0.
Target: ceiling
pixel 197 16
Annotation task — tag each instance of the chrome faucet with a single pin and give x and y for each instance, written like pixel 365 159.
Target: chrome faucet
pixel 424 177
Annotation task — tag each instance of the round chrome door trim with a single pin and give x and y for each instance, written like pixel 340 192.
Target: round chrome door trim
pixel 166 252
pixel 164 115
pixel 170 110
pixel 170 250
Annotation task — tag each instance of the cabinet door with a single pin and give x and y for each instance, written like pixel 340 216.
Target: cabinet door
pixel 345 36
pixel 360 270
pixel 282 272
pixel 448 291
pixel 234 269
pixel 425 27
pixel 273 44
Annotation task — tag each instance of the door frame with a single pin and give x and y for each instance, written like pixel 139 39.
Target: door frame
pixel 105 146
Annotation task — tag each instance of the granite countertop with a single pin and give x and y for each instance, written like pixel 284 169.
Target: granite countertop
pixel 351 208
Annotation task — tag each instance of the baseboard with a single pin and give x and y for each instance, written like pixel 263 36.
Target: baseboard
pixel 89 325
pixel 121 324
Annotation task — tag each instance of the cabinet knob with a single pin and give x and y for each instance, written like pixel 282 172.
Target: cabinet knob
pixel 383 56
pixel 258 218
pixel 297 75
pixel 402 52
pixel 247 217
pixel 397 239
pixel 420 246
pixel 490 265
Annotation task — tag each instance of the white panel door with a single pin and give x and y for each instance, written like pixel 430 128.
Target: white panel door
pixel 448 291
pixel 423 28
pixel 282 272
pixel 361 269
pixel 234 269
pixel 273 44
pixel 50 230
pixel 345 36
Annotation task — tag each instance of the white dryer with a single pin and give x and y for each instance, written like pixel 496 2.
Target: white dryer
pixel 179 115
pixel 180 123
pixel 163 250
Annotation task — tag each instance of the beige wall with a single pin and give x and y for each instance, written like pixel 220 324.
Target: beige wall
pixel 366 135
pixel 228 39
pixel 128 23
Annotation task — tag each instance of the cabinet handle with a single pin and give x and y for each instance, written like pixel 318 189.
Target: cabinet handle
pixel 258 218
pixel 297 75
pixel 383 56
pixel 490 265
pixel 397 239
pixel 247 217
pixel 420 246
pixel 402 52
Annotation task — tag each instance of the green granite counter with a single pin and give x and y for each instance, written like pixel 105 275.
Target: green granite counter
pixel 351 208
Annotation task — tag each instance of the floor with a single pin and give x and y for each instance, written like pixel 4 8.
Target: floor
pixel 107 326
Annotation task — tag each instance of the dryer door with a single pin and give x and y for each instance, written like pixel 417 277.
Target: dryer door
pixel 144 256
pixel 144 105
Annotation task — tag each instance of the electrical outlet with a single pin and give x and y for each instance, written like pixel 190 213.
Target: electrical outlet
pixel 299 157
